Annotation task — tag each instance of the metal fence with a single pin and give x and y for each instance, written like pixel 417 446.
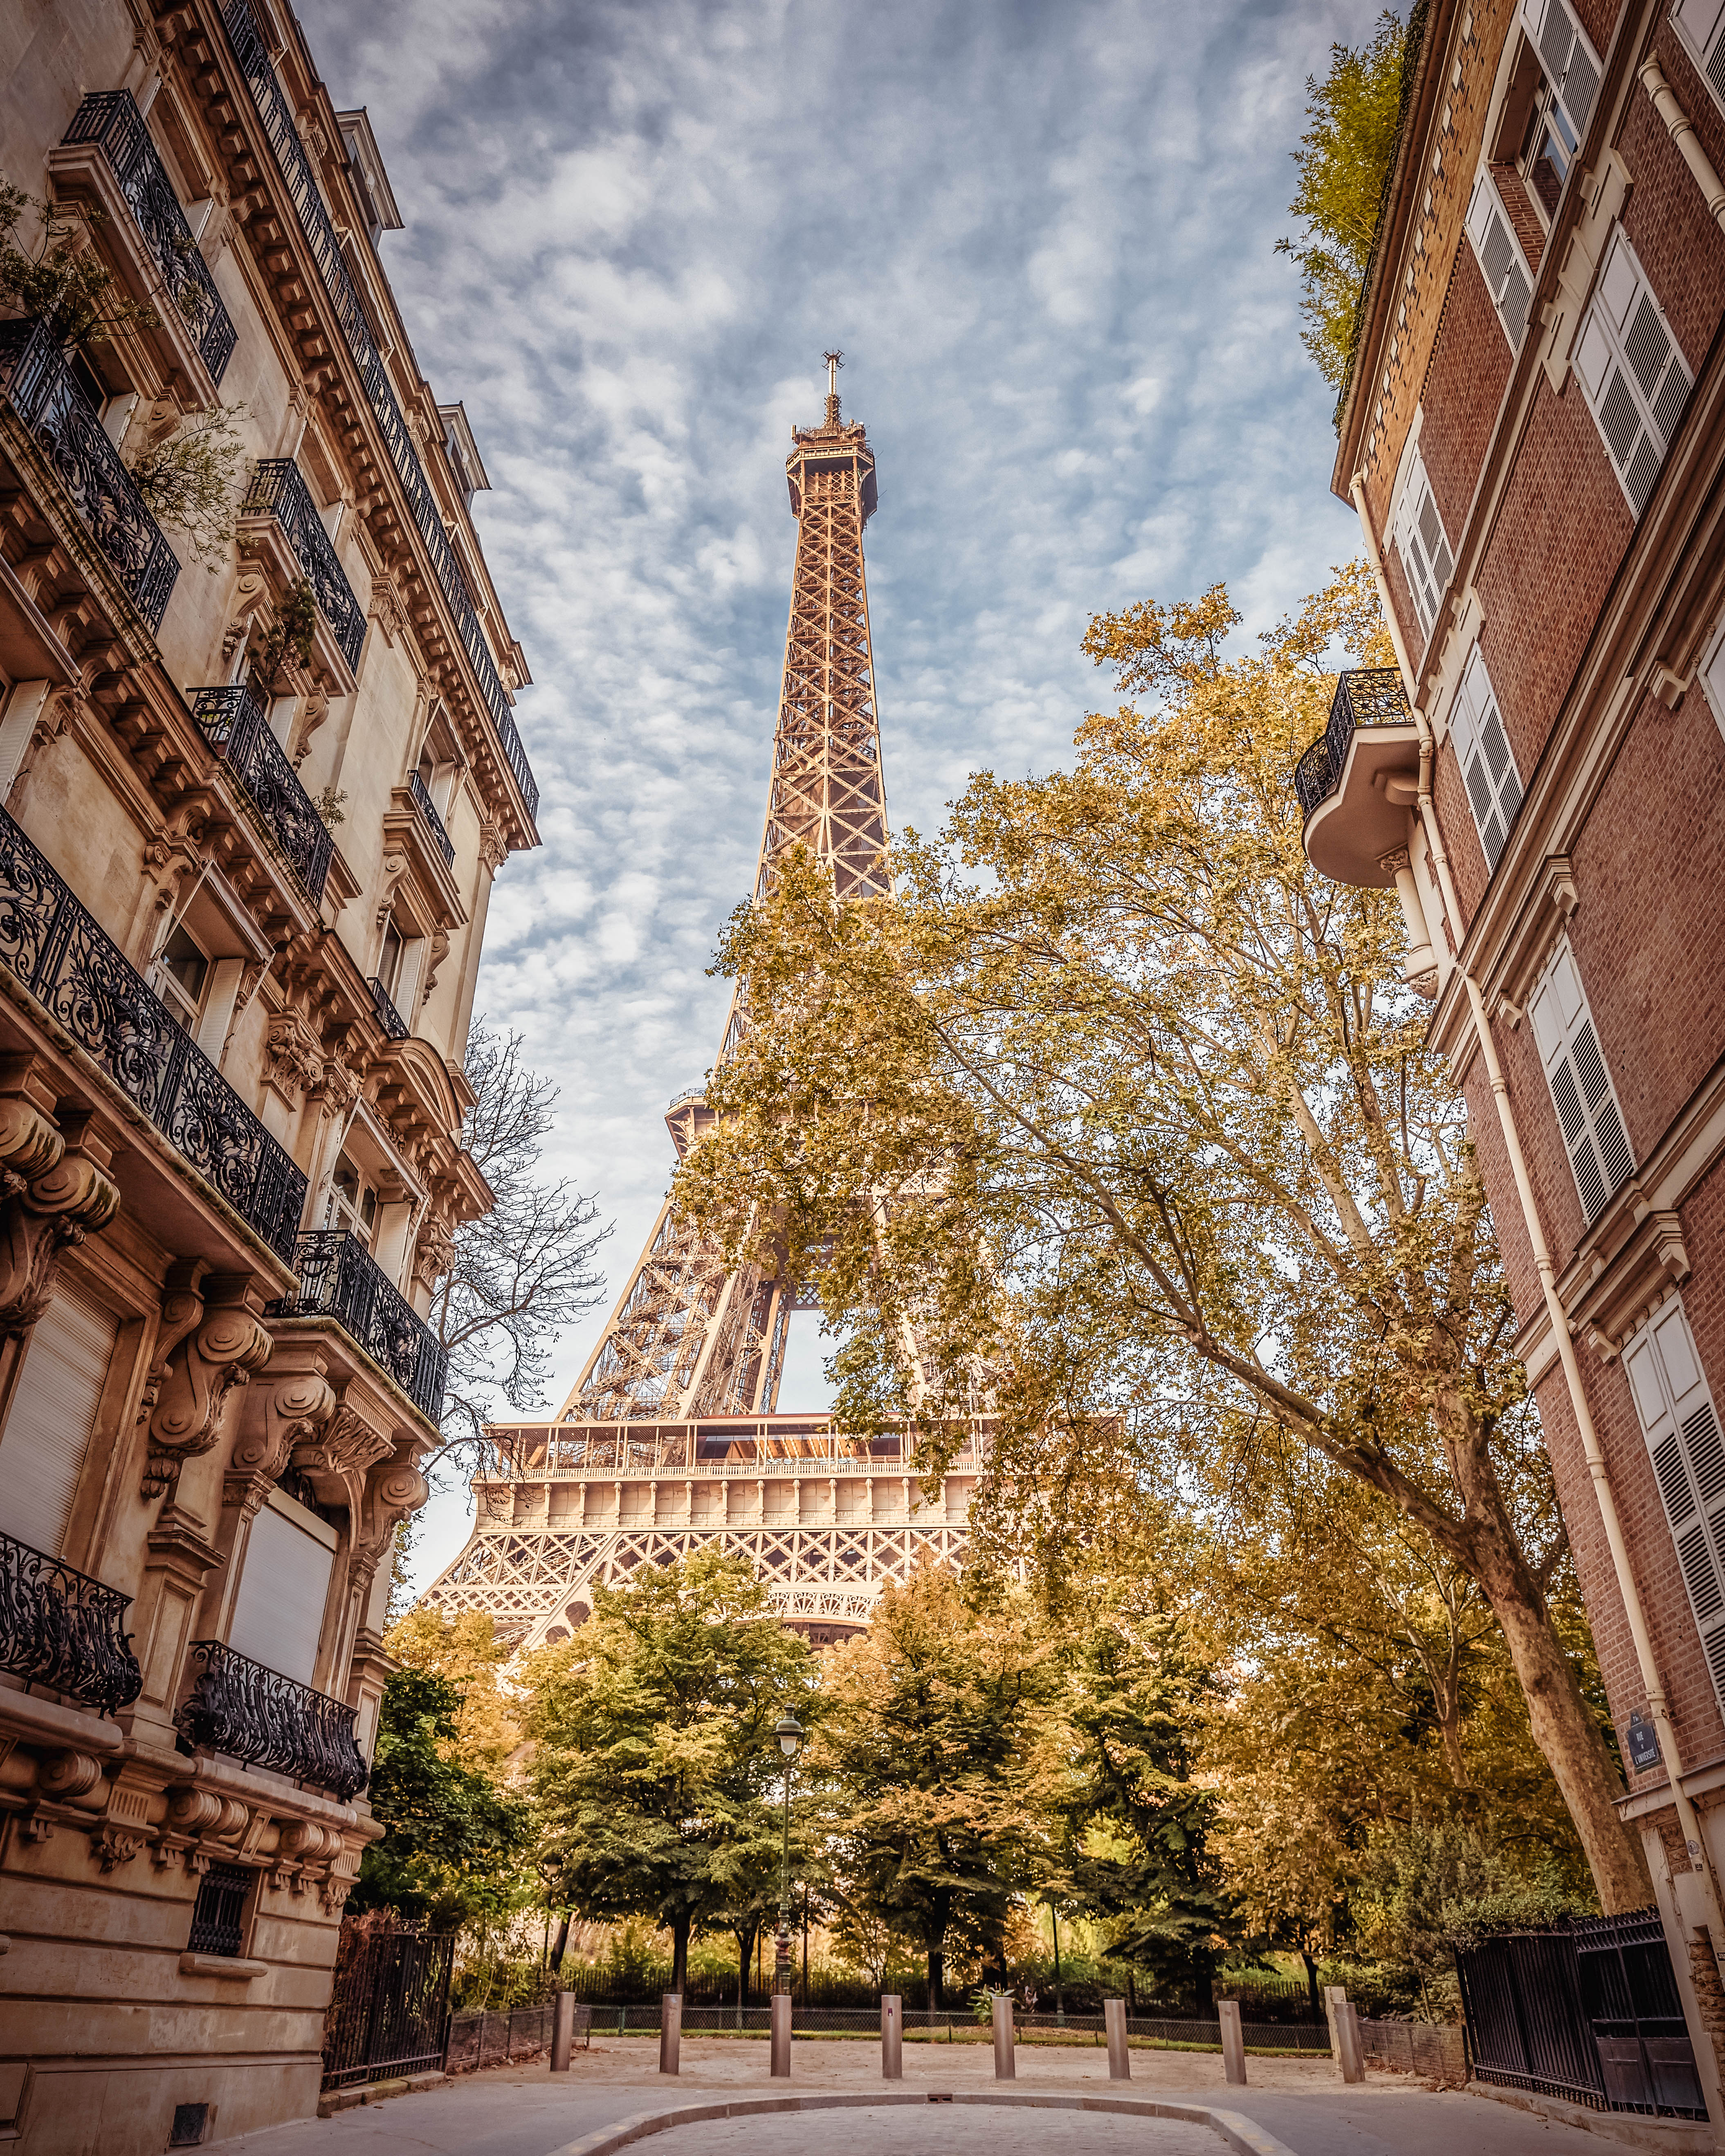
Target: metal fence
pixel 1436 2051
pixel 956 2026
pixel 389 2013
pixel 499 2040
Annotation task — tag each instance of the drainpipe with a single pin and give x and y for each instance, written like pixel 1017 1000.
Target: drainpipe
pixel 1658 1706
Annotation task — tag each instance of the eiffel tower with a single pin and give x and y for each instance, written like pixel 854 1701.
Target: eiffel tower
pixel 671 1439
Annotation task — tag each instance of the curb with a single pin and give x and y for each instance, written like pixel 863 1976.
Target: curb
pixel 1239 2133
pixel 337 2101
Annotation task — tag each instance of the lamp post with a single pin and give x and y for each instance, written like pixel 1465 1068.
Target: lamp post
pixel 790 1733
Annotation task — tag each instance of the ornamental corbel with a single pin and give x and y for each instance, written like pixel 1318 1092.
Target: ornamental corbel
pixel 214 1343
pixel 337 1457
pixel 293 1064
pixel 125 1826
pixel 435 1252
pixel 337 1088
pixel 313 711
pixel 439 951
pixel 250 595
pixel 395 867
pixel 43 1215
pixel 278 1417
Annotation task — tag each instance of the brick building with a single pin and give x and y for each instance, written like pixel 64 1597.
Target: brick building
pixel 251 823
pixel 1533 436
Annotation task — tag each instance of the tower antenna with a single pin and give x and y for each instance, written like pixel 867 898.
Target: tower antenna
pixel 835 361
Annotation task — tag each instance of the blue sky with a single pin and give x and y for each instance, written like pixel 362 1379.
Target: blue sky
pixel 1043 236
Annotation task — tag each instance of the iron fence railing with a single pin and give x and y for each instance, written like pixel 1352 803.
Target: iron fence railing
pixel 954 2025
pixel 50 944
pixel 237 1706
pixel 219 1914
pixel 234 723
pixel 111 119
pixel 434 822
pixel 66 428
pixel 314 218
pixel 389 2010
pixel 62 1628
pixel 339 1278
pixel 279 490
pixel 388 1017
pixel 1366 697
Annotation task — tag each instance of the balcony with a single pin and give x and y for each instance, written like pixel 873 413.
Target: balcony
pixel 53 948
pixel 1344 781
pixel 111 123
pixel 233 723
pixel 60 421
pixel 238 1707
pixel 434 822
pixel 253 56
pixel 339 1278
pixel 61 1628
pixel 388 1017
pixel 278 491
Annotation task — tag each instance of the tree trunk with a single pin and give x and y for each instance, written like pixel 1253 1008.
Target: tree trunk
pixel 559 1950
pixel 680 1955
pixel 936 1976
pixel 1317 2004
pixel 745 1947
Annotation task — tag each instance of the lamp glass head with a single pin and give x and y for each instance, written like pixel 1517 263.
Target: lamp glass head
pixel 789 1733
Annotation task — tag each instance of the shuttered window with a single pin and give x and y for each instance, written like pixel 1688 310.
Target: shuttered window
pixel 1630 372
pixel 1680 1425
pixel 1494 786
pixel 1581 1088
pixel 1502 263
pixel 53 1413
pixel 1571 65
pixel 1421 543
pixel 1701 24
pixel 277 1613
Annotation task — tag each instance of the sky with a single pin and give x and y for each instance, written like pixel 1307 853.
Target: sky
pixel 1043 237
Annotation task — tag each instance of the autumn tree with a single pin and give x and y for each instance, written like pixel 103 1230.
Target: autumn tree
pixel 1118 1117
pixel 465 1650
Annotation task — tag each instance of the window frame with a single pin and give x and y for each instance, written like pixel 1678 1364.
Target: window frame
pixel 1409 522
pixel 1584 1094
pixel 1486 211
pixel 1603 359
pixel 1476 708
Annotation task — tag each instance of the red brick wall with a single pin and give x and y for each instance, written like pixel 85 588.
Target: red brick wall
pixel 1463 388
pixel 1461 837
pixel 1402 600
pixel 1681 249
pixel 1598 19
pixel 1692 94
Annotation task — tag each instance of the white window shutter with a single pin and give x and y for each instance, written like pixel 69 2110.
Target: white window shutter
pixel 1702 25
pixel 1581 1088
pixel 1423 545
pixel 1566 54
pixel 1501 262
pixel 1681 1424
pixel 1488 768
pixel 277 1613
pixel 1631 371
pixel 53 1412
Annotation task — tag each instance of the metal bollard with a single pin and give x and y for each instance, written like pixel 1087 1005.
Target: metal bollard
pixel 781 2035
pixel 1120 2059
pixel 892 2038
pixel 562 2031
pixel 1233 2042
pixel 670 2030
pixel 1005 2070
pixel 1353 2068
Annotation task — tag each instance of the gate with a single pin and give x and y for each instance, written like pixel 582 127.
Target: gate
pixel 1590 2013
pixel 389 2013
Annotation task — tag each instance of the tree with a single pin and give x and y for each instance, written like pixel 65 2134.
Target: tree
pixel 654 1763
pixel 1344 161
pixel 522 1274
pixel 465 1650
pixel 1118 1117
pixel 60 278
pixel 928 1746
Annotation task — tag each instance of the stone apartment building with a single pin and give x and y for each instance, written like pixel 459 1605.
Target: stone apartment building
pixel 1533 437
pixel 250 822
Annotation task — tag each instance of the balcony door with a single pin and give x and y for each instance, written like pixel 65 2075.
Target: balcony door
pixel 52 1416
pixel 277 1613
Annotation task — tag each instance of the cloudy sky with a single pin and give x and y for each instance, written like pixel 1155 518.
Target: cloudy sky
pixel 1042 232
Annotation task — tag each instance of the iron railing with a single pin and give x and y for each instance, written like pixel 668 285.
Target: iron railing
pixel 238 1707
pixel 111 119
pixel 339 1278
pixel 277 490
pixel 278 120
pixel 219 1914
pixel 64 425
pixel 389 2010
pixel 234 724
pixel 388 1017
pixel 62 1628
pixel 434 822
pixel 51 945
pixel 1367 696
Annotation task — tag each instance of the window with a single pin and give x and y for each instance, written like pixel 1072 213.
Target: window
pixel 181 973
pixel 1681 1427
pixel 1494 786
pixel 279 1611
pixel 1421 543
pixel 1508 277
pixel 52 1417
pixel 353 1202
pixel 1572 66
pixel 218 1915
pixel 1630 372
pixel 1581 1088
pixel 1548 149
pixel 1700 24
pixel 389 959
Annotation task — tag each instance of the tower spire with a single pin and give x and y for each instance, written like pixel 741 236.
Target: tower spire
pixel 835 361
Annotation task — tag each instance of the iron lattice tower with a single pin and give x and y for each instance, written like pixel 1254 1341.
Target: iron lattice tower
pixel 670 1436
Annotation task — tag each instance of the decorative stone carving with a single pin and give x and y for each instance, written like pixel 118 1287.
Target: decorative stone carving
pixel 66 1777
pixel 337 1089
pixel 313 711
pixel 52 1199
pixel 250 594
pixel 385 609
pixel 395 867
pixel 293 1410
pixel 435 957
pixel 494 846
pixel 337 1458
pixel 436 1250
pixel 293 1064
pixel 124 1827
pixel 211 1343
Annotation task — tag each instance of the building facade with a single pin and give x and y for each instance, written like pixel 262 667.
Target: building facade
pixel 1533 437
pixel 251 817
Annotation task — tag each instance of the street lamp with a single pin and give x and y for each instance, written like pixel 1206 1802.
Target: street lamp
pixel 790 1733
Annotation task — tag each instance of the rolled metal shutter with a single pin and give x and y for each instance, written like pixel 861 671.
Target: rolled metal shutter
pixel 53 1413
pixel 277 1613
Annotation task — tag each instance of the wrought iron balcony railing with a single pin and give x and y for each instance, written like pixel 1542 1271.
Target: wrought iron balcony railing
pixel 49 944
pixel 112 121
pixel 278 491
pixel 434 822
pixel 234 723
pixel 388 1017
pixel 277 117
pixel 60 1627
pixel 1366 697
pixel 64 426
pixel 339 1278
pixel 238 1707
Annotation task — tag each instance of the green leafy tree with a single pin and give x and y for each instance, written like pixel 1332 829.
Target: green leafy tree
pixel 57 277
pixel 653 1765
